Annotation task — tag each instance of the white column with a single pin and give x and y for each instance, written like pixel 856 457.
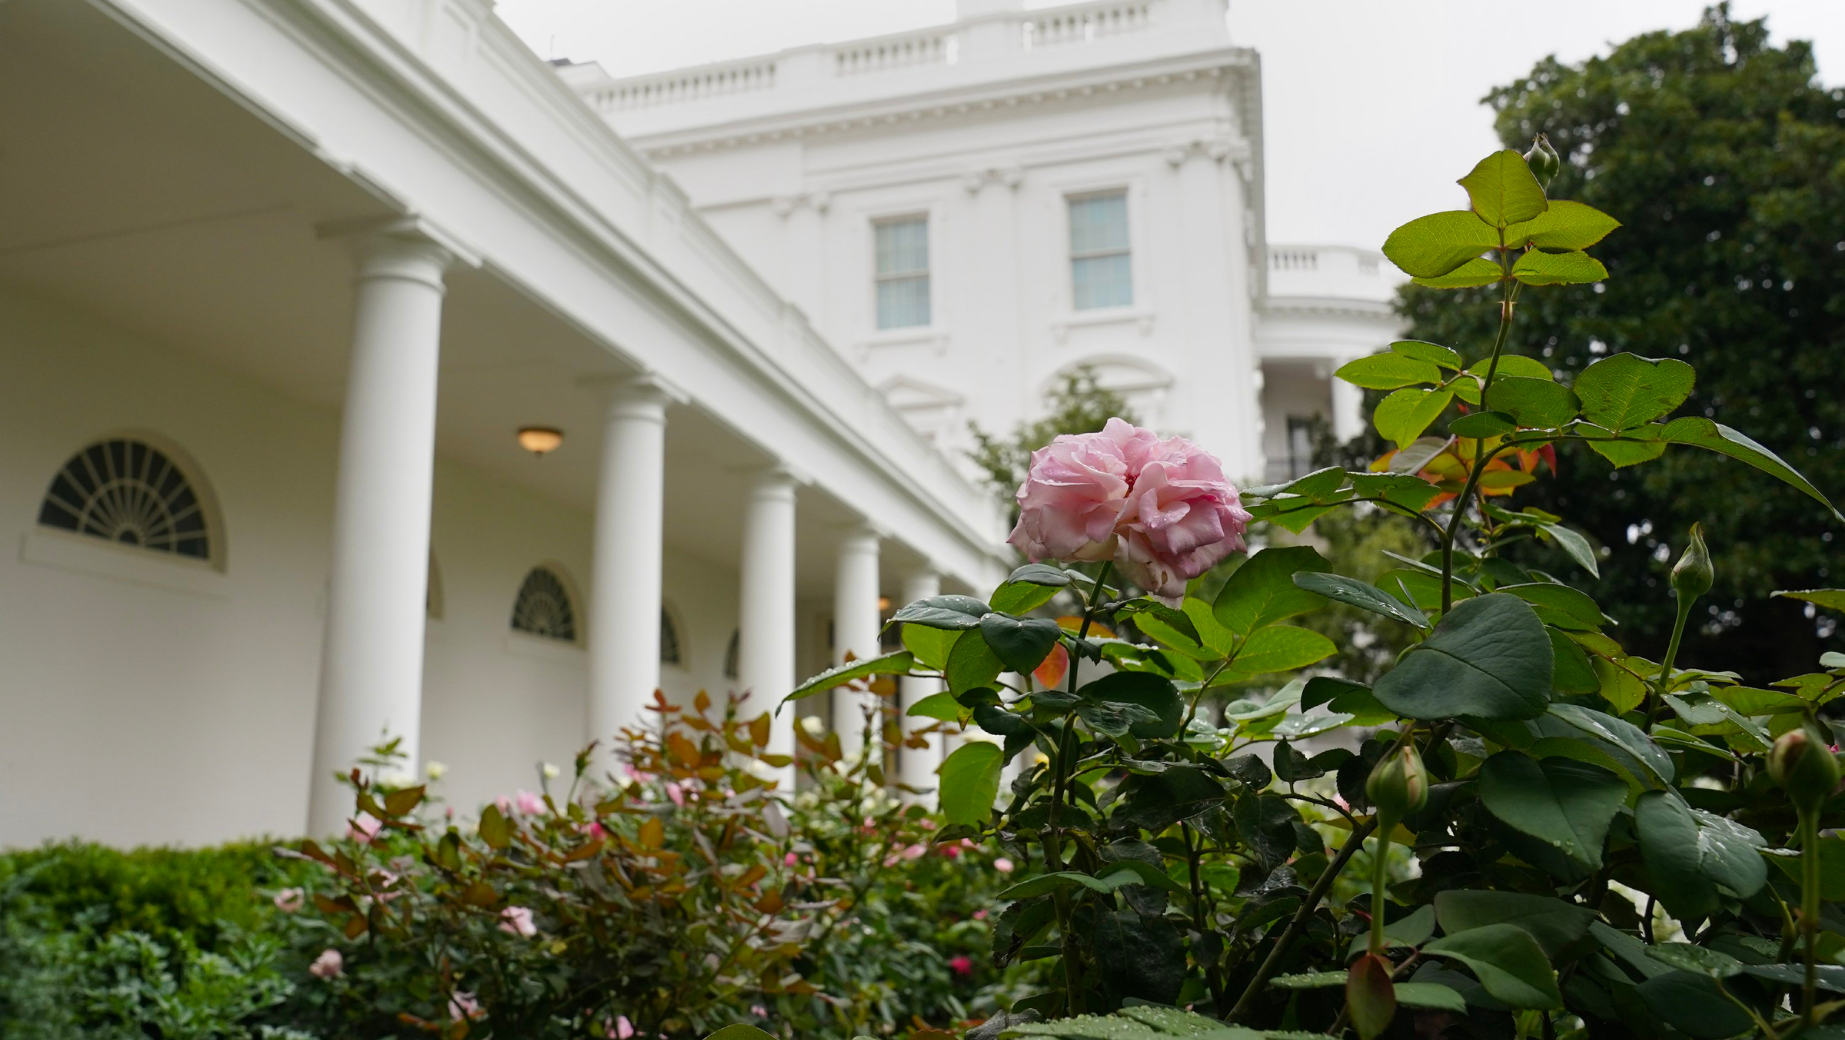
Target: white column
pixel 855 629
pixel 371 672
pixel 1348 405
pixel 765 629
pixel 916 766
pixel 624 615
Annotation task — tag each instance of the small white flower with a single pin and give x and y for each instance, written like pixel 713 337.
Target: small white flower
pixel 396 778
pixel 814 727
pixel 434 769
pixel 550 771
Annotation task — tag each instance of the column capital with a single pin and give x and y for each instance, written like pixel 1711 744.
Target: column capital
pixel 643 392
pixel 859 532
pixel 381 243
pixel 773 480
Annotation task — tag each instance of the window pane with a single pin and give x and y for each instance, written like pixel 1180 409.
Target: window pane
pixel 903 302
pixel 1098 224
pixel 1102 281
pixel 903 247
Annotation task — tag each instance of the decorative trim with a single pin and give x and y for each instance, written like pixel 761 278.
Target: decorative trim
pixel 88 555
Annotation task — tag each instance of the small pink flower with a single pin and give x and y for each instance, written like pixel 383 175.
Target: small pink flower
pixel 759 1011
pixel 529 804
pixel 968 844
pixel 463 1005
pixel 915 851
pixel 1003 865
pixel 328 965
pixel 790 860
pixel 676 793
pixel 624 1029
pixel 386 879
pixel 952 851
pixel 517 920
pixel 593 829
pixel 961 964
pixel 363 828
pixel 1161 509
pixel 980 915
pixel 504 804
pixel 290 900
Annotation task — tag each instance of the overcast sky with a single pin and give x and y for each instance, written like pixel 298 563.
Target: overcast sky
pixel 1384 91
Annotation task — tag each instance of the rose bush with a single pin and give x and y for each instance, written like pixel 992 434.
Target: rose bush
pixel 1567 837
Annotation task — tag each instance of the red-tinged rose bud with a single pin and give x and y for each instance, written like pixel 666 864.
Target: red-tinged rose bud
pixel 1692 574
pixel 1543 160
pixel 1370 996
pixel 1803 764
pixel 1399 783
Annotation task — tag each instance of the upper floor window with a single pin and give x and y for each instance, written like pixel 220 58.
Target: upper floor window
pixel 1300 446
pixel 1100 274
pixel 902 247
pixel 128 492
pixel 544 607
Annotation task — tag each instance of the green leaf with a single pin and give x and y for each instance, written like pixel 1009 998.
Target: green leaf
pixel 1262 592
pixel 1573 673
pixel 1281 648
pixel 1831 599
pixel 740 1032
pixel 1559 605
pixel 1309 980
pixel 1713 436
pixel 1139 957
pixel 970 782
pixel 1574 544
pixel 1431 246
pixel 1388 371
pixel 930 645
pixel 1627 448
pixel 1535 403
pixel 1114 876
pixel 1472 273
pixel 495 828
pixel 1403 489
pixel 1693 1005
pixel 1489 658
pixel 955 612
pixel 1176 620
pixel 1358 594
pixel 1029 588
pixel 1565 226
pixel 900 663
pixel 1432 996
pixel 1555 924
pixel 1403 415
pixel 1021 644
pixel 1628 744
pixel 1568 805
pixel 1513 365
pixel 1433 353
pixel 1155 693
pixel 971 664
pixel 1535 268
pixel 1483 424
pixel 1622 391
pixel 1696 858
pixel 1503 190
pixel 1507 961
pixel 936 706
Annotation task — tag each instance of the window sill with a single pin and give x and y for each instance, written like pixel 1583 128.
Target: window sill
pixel 911 336
pixel 544 648
pixel 1138 316
pixel 86 554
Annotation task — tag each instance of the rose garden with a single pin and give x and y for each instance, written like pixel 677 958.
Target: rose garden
pixel 1167 813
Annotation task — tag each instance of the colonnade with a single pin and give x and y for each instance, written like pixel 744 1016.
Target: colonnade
pixel 371 676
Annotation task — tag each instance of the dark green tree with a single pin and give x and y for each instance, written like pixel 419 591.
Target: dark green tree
pixel 1726 158
pixel 1077 404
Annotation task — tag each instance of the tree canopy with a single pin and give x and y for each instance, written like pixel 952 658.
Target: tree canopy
pixel 1726 159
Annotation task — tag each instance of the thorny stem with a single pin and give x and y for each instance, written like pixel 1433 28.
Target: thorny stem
pixel 1678 631
pixel 1053 837
pixel 1508 297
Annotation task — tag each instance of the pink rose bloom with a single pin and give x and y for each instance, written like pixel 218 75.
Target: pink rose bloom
pixel 363 828
pixel 386 879
pixel 290 900
pixel 529 804
pixel 328 965
pixel 463 1005
pixel 1003 865
pixel 980 915
pixel 517 920
pixel 951 851
pixel 759 1011
pixel 1161 509
pixel 790 860
pixel 624 1029
pixel 915 851
pixel 961 964
pixel 676 793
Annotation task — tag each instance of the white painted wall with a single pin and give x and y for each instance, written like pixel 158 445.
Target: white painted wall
pixel 153 699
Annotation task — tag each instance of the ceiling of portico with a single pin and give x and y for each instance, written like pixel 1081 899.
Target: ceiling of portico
pixel 135 192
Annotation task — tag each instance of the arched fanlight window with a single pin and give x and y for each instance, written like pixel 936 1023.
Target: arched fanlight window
pixel 544 606
pixel 131 493
pixel 671 650
pixel 732 653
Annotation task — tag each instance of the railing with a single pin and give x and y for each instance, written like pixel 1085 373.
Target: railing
pixel 686 85
pixel 1299 260
pixel 893 52
pixel 1054 28
pixel 1330 272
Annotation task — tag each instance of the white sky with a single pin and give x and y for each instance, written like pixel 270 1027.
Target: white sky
pixel 1371 106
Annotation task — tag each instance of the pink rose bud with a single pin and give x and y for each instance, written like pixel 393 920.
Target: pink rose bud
pixel 529 804
pixel 980 915
pixel 790 860
pixel 676 793
pixel 363 828
pixel 517 920
pixel 1003 865
pixel 328 965
pixel 463 1005
pixel 290 900
pixel 624 1029
pixel 1161 509
pixel 961 964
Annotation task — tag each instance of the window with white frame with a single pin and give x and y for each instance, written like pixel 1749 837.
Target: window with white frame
pixel 544 606
pixel 902 248
pixel 1100 271
pixel 126 491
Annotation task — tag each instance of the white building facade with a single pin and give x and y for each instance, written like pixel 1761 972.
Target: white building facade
pixel 287 287
pixel 971 211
